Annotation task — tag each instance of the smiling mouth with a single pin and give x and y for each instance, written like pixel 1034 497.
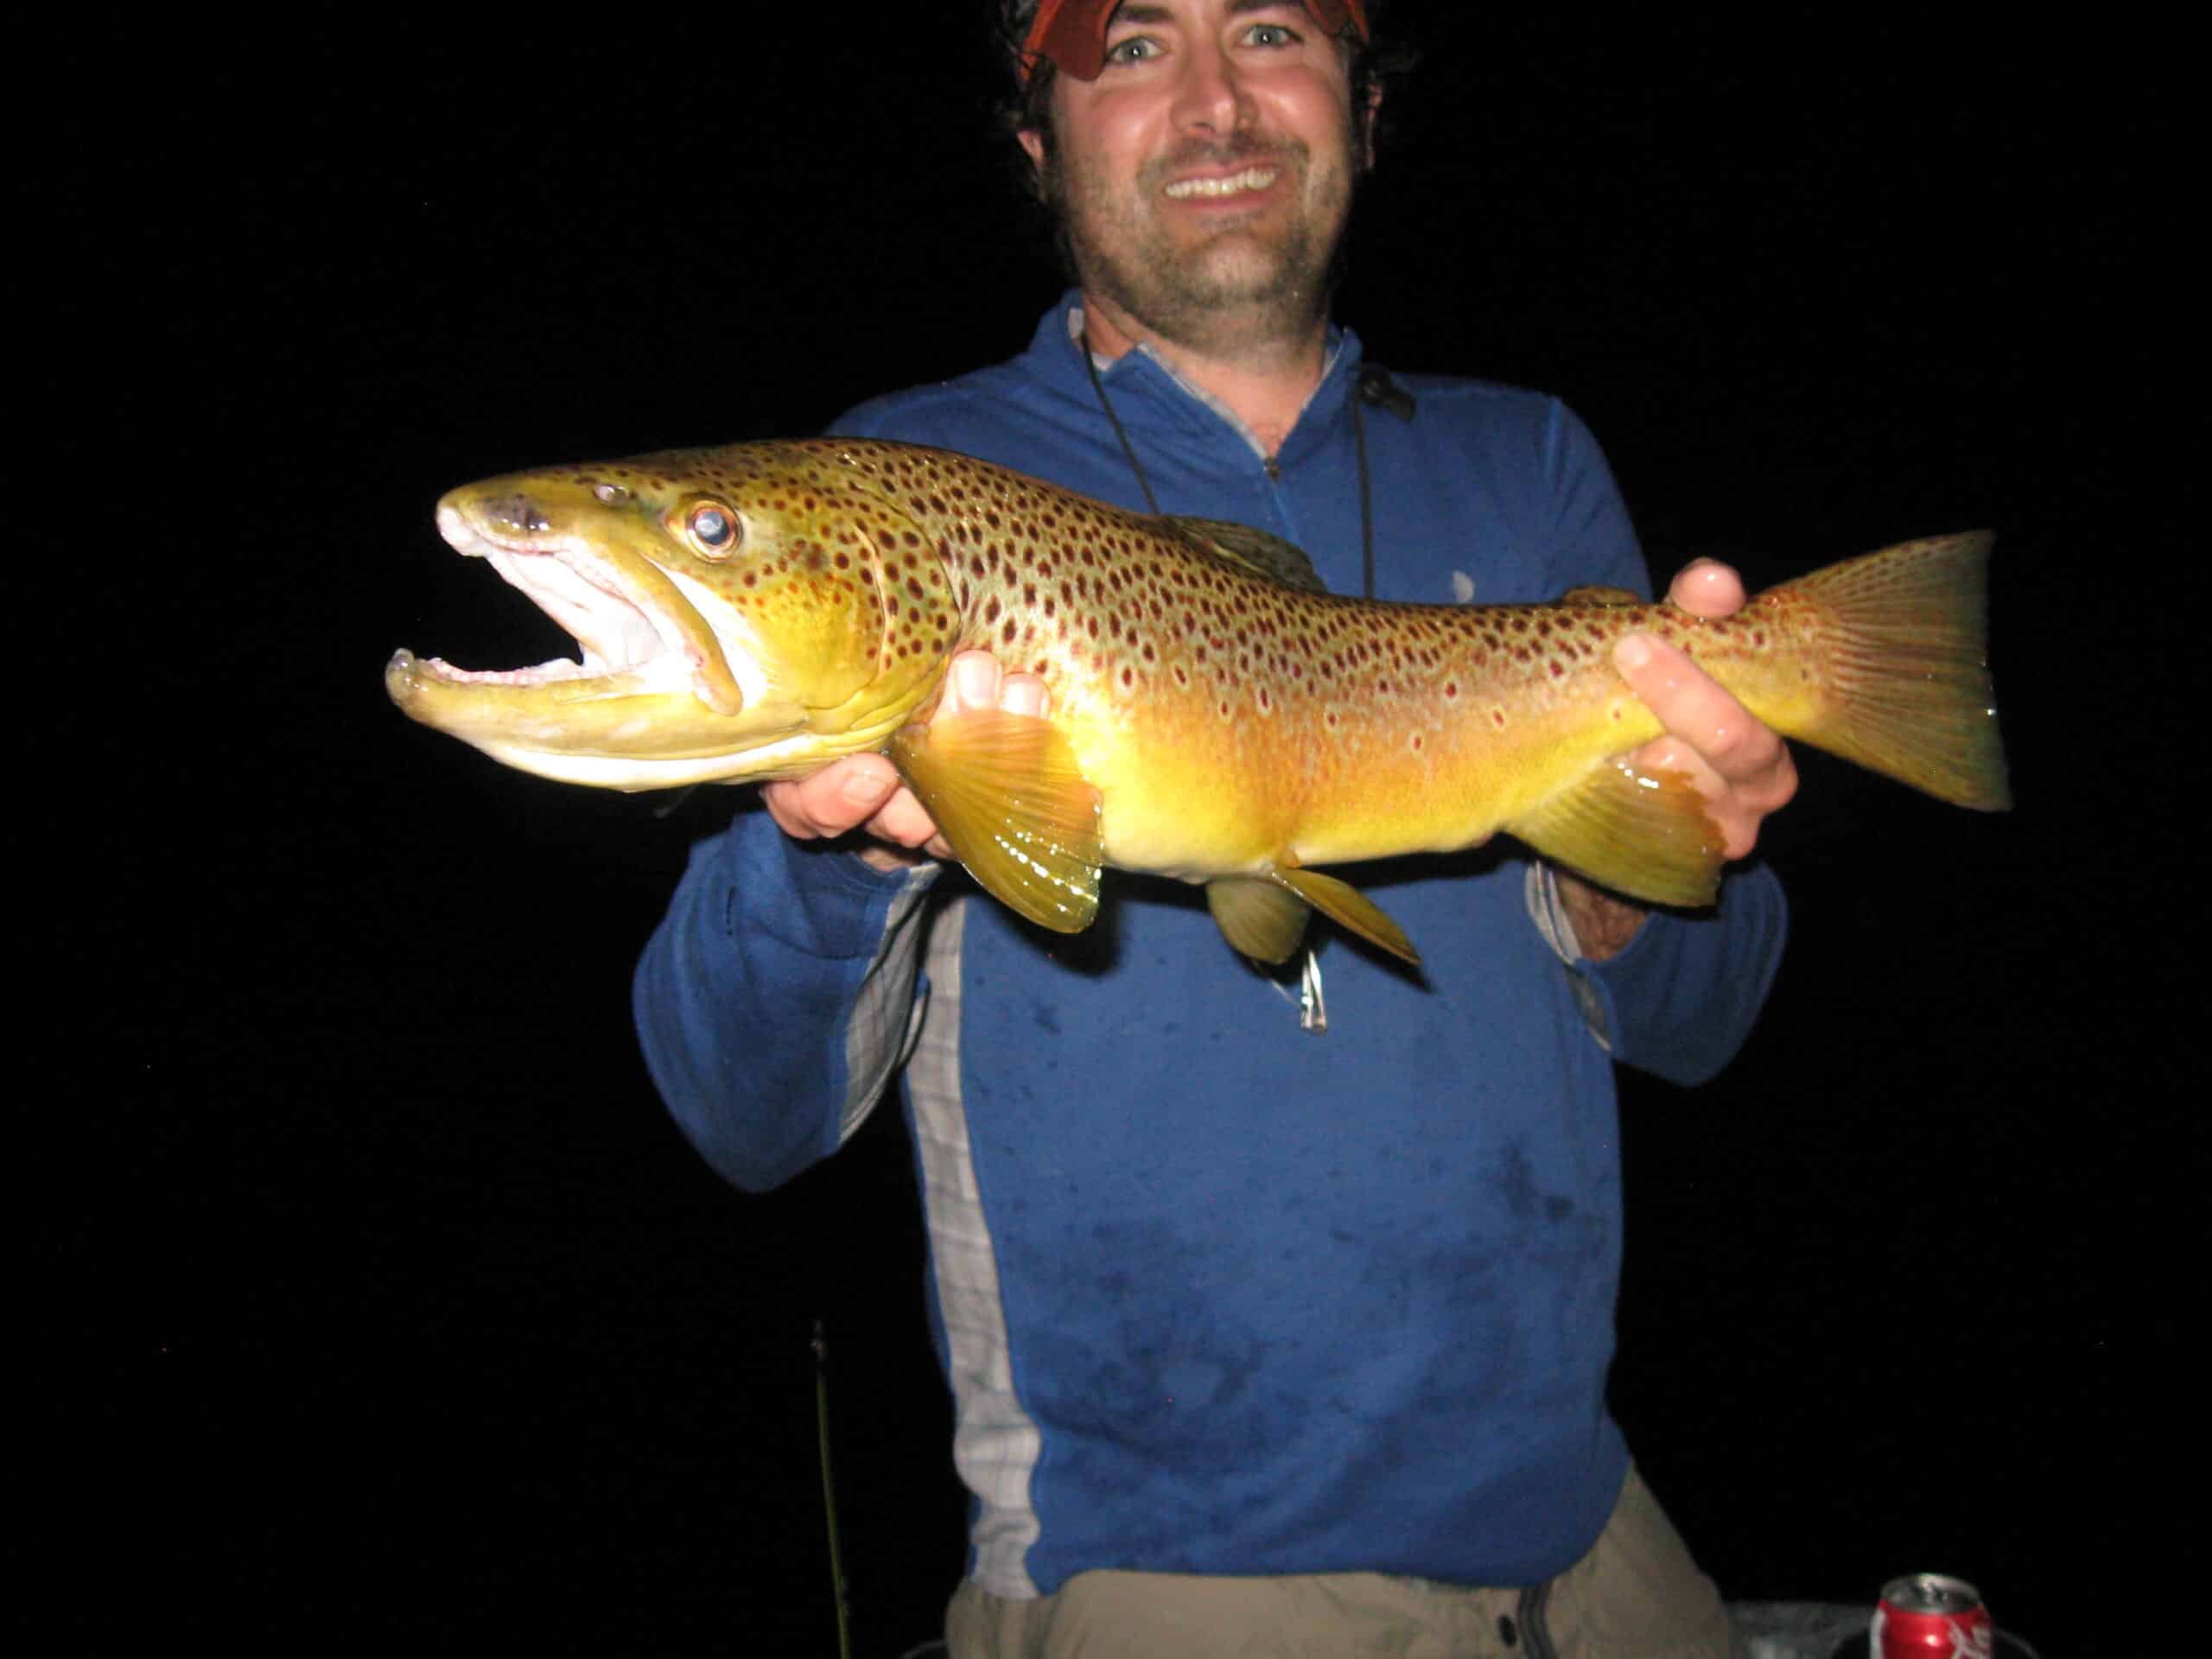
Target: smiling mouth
pixel 1252 178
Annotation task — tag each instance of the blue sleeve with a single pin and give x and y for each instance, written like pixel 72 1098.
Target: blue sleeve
pixel 1593 540
pixel 776 997
pixel 1683 997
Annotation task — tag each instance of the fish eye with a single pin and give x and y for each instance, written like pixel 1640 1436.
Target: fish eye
pixel 715 528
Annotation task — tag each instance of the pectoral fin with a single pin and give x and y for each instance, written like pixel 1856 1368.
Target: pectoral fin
pixel 1008 794
pixel 1643 834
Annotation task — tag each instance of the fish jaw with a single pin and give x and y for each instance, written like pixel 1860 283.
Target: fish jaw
pixel 625 730
pixel 667 688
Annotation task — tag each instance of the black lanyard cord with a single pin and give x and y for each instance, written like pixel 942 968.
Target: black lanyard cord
pixel 1375 386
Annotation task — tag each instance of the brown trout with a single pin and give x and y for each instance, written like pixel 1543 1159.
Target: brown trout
pixel 752 613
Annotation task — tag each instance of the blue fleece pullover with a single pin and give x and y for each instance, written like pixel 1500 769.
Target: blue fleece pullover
pixel 1215 1294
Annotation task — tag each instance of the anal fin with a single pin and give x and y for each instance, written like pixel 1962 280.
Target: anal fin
pixel 1007 792
pixel 1646 834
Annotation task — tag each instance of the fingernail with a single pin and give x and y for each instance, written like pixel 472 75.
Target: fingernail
pixel 1632 652
pixel 1025 696
pixel 974 674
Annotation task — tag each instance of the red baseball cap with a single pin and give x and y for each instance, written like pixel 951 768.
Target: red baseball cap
pixel 1072 32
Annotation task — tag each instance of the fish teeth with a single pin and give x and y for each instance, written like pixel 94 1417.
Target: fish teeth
pixel 559 668
pixel 1252 178
pixel 610 628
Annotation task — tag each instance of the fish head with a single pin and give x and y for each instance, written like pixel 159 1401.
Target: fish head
pixel 740 614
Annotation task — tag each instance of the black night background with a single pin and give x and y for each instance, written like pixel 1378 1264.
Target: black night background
pixel 386 1305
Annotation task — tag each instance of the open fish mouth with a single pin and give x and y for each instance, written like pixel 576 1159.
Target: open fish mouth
pixel 619 633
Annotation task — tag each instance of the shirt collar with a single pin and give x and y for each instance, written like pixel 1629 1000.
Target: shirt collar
pixel 1142 366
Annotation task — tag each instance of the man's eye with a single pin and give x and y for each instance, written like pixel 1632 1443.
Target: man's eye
pixel 1133 49
pixel 1273 35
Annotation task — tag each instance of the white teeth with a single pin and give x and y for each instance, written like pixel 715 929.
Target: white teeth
pixel 1252 178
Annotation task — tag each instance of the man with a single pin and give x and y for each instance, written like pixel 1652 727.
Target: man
pixel 1260 1342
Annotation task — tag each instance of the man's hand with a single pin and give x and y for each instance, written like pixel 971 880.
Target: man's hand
pixel 1739 766
pixel 863 791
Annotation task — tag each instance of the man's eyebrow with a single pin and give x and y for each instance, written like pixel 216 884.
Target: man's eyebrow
pixel 1138 11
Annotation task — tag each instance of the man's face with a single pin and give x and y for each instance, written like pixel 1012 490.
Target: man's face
pixel 1204 179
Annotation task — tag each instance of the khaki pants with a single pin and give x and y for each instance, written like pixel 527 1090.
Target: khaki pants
pixel 1636 1595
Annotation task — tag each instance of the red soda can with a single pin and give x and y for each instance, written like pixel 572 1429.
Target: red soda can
pixel 1927 1616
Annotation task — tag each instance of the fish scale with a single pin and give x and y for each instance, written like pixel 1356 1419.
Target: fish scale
pixel 1213 715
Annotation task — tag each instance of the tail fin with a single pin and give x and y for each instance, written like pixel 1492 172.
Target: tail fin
pixel 1907 668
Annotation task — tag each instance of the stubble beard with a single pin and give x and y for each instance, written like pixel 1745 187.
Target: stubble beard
pixel 1235 294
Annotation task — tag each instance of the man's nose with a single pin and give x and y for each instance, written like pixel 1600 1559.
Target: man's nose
pixel 1211 95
